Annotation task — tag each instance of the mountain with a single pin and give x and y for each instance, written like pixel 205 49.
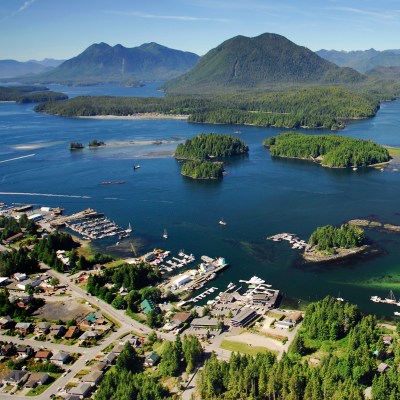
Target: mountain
pixel 256 63
pixel 392 73
pixel 12 68
pixel 102 63
pixel 362 61
pixel 48 62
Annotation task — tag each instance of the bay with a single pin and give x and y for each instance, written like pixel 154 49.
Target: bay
pixel 259 197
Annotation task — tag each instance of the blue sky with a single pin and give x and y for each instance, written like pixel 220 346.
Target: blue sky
pixel 35 29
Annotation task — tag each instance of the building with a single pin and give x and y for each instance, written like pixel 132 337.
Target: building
pixel 23 327
pixel 181 280
pixel 147 306
pixel 72 332
pixel 110 358
pixel 284 324
pixel 13 238
pixel 24 350
pixel 20 276
pixel 118 348
pixel 93 378
pixel 16 378
pixel 83 390
pixel 152 359
pixel 294 317
pixel 43 355
pixel 3 281
pixel 6 322
pixel 29 283
pixel 88 336
pixel 42 328
pixel 100 366
pixel 181 318
pixel 204 323
pixel 261 299
pixel 383 367
pixel 36 379
pixel 60 358
pixel 57 330
pixel 244 318
pixel 387 340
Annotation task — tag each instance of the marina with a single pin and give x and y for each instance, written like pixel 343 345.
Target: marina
pixel 294 240
pixel 390 299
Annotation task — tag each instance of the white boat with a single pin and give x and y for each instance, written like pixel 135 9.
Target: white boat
pixel 397 313
pixel 136 166
pixel 222 222
pixel 165 234
pixel 129 229
pixel 339 298
pixel 376 299
pixel 391 299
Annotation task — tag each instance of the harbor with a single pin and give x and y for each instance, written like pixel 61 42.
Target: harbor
pixel 390 299
pixel 295 241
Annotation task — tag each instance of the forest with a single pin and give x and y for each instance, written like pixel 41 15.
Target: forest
pixel 336 151
pixel 210 145
pixel 313 107
pixel 346 348
pixel 328 238
pixel 29 94
pixel 202 169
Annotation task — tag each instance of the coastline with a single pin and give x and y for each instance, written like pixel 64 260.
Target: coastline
pixel 139 116
pixel 314 256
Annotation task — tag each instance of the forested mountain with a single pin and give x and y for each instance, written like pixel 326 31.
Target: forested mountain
pixel 12 68
pixel 392 73
pixel 362 61
pixel 259 62
pixel 101 63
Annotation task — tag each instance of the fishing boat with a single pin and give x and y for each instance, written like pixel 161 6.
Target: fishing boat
pixel 129 229
pixel 165 234
pixel 222 222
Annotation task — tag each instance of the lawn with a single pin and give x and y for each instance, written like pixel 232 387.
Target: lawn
pixel 394 151
pixel 243 348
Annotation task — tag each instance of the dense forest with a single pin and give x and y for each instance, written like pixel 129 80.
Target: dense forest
pixel 10 226
pixel 346 347
pixel 335 150
pixel 203 169
pixel 328 238
pixel 210 145
pixel 29 94
pixel 313 107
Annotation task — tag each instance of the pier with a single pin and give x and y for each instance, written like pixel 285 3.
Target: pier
pixel 294 240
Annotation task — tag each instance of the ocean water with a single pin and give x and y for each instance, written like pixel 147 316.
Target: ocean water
pixel 260 196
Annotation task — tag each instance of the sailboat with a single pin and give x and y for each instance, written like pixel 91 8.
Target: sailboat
pixel 222 222
pixel 165 234
pixel 390 299
pixel 129 229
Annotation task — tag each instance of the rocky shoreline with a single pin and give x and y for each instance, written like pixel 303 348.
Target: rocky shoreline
pixel 370 224
pixel 312 255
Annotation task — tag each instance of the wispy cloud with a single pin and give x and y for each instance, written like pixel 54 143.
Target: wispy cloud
pixel 168 17
pixel 22 8
pixel 383 16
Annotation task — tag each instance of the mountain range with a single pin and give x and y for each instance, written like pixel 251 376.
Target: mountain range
pixel 101 63
pixel 13 68
pixel 258 63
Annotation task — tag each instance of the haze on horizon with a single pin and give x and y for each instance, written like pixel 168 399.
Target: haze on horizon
pixel 38 29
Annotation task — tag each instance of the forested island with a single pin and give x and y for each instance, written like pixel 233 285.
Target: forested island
pixel 202 169
pixel 330 150
pixel 29 94
pixel 314 107
pixel 330 243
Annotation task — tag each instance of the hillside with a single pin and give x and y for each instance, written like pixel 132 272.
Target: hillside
pixel 362 61
pixel 12 68
pixel 256 63
pixel 101 63
pixel 392 73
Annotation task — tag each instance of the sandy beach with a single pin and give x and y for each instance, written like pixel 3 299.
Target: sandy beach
pixel 139 116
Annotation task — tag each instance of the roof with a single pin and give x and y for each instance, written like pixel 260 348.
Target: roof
pixel 147 306
pixel 38 377
pixel 118 348
pixel 92 376
pixel 91 318
pixel 23 325
pixel 43 325
pixel 182 317
pixel 81 389
pixel 43 354
pixel 60 356
pixel 110 357
pixel 204 321
pixel 71 331
pixel 243 315
pixel 153 356
pixel 15 375
pixel 100 366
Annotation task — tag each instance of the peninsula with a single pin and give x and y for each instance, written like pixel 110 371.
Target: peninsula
pixel 332 151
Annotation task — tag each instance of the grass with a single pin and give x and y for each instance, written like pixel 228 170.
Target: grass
pixel 137 317
pixel 393 151
pixel 244 348
pixel 82 373
pixel 115 264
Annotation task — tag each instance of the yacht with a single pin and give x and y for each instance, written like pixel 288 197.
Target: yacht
pixel 222 222
pixel 129 229
pixel 391 299
pixel 165 234
pixel 376 299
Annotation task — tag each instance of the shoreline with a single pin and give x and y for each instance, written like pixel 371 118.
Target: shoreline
pixel 139 116
pixel 314 256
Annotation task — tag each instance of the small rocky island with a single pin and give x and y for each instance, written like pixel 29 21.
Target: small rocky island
pixel 329 243
pixel 200 154
pixel 333 151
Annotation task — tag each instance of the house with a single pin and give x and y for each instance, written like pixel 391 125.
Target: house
pixel 284 324
pixel 93 377
pixel 204 323
pixel 383 367
pixel 60 358
pixel 16 378
pixel 42 328
pixel 118 349
pixel 82 390
pixel 13 238
pixel 72 332
pixel 3 281
pixel 88 336
pixel 110 358
pixel 261 299
pixel 23 327
pixel 294 317
pixel 244 318
pixel 43 355
pixel 152 359
pixel 29 282
pixel 20 276
pixel 387 340
pixel 147 306
pixel 100 366
pixel 181 318
pixel 9 349
pixel 57 330
pixel 22 301
pixel 36 379
pixel 6 322
pixel 24 350
pixel 132 340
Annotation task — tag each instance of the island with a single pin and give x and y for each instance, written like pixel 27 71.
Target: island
pixel 201 149
pixel 76 146
pixel 96 143
pixel 330 243
pixel 332 151
pixel 29 94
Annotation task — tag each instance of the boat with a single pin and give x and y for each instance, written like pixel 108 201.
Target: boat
pixel 397 313
pixel 129 229
pixel 390 299
pixel 354 168
pixel 165 234
pixel 136 167
pixel 376 299
pixel 222 222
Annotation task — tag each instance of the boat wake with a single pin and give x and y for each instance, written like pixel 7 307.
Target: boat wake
pixel 17 158
pixel 46 195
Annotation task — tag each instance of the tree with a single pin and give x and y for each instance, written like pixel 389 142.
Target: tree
pixel 54 281
pixel 128 360
pixel 169 364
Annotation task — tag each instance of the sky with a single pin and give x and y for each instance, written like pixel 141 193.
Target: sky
pixel 61 29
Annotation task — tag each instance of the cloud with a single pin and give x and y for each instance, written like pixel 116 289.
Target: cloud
pixel 22 8
pixel 169 17
pixel 386 16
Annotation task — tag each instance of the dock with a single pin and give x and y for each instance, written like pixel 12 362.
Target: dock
pixel 293 239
